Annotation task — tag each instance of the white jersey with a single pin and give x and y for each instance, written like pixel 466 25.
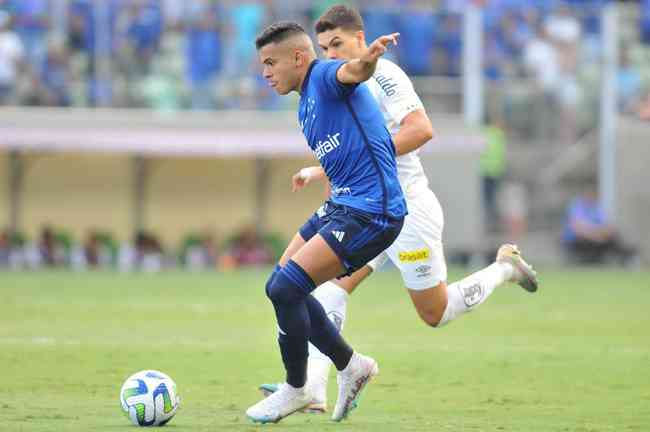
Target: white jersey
pixel 396 97
pixel 418 251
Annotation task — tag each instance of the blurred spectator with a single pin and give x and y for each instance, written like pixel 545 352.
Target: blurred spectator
pixel 77 28
pixel 542 67
pixel 145 254
pixel 541 61
pixel 32 23
pixel 562 26
pixel 494 60
pixel 201 252
pixel 50 85
pixel 645 21
pixel 92 251
pixel 514 34
pixel 51 250
pixel 139 27
pixel 378 18
pixel 96 252
pixel 13 253
pixel 448 57
pixel 629 83
pixel 246 19
pixel 415 50
pixel 492 166
pixel 55 76
pixel 588 235
pixel 513 209
pixel 248 249
pixel 5 248
pixel 97 44
pixel 565 31
pixel 203 53
pixel 643 109
pixel 11 56
pixel 149 253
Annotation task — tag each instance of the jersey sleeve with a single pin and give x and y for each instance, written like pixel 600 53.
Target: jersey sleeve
pixel 396 93
pixel 328 83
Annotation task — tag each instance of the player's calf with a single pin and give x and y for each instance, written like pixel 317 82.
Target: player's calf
pixel 430 303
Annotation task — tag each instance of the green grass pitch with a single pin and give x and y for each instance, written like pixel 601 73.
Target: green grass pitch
pixel 573 357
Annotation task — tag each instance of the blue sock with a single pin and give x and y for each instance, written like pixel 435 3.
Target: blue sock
pixel 325 336
pixel 301 317
pixel 288 290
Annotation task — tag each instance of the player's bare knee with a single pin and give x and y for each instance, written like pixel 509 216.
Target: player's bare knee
pixel 431 317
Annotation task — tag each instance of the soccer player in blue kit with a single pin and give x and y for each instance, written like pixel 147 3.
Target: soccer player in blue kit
pixel 365 213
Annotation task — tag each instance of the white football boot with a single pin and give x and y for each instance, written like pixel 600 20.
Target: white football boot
pixel 280 404
pixel 317 404
pixel 351 382
pixel 524 274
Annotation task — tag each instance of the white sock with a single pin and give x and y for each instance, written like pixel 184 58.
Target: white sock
pixel 335 302
pixel 465 295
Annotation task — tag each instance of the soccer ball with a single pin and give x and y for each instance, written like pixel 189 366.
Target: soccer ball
pixel 149 398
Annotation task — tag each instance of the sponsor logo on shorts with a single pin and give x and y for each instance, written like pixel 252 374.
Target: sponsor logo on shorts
pixel 423 271
pixel 339 235
pixel 472 294
pixel 414 256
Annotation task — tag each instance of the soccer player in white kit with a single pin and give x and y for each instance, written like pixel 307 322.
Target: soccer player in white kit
pixel 417 252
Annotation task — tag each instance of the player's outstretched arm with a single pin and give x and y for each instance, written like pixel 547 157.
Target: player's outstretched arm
pixel 305 176
pixel 361 69
pixel 415 130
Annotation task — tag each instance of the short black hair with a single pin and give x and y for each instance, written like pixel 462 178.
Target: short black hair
pixel 278 32
pixel 339 16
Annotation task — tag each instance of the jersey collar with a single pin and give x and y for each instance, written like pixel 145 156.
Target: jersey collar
pixel 304 82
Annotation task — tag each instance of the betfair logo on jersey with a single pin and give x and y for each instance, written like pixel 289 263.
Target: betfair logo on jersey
pixel 414 256
pixel 330 144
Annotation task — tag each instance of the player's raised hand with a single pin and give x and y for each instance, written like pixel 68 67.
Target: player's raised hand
pixel 298 181
pixel 379 47
pixel 303 177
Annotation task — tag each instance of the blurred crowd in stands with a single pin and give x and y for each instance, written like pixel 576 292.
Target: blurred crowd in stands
pixel 57 249
pixel 199 54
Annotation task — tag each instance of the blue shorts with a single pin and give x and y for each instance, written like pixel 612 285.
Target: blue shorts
pixel 355 236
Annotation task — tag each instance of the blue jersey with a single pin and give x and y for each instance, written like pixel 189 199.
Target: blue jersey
pixel 346 131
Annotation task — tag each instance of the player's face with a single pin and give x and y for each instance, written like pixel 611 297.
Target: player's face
pixel 280 67
pixel 341 44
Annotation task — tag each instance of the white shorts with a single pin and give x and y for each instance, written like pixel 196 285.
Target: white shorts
pixel 417 252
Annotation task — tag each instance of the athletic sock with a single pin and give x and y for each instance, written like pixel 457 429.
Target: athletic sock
pixel 301 318
pixel 465 295
pixel 325 336
pixel 287 290
pixel 334 300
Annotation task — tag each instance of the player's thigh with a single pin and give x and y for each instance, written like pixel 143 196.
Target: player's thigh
pixel 430 303
pixel 294 245
pixel 318 260
pixel 356 238
pixel 350 283
pixel 307 231
pixel 418 250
